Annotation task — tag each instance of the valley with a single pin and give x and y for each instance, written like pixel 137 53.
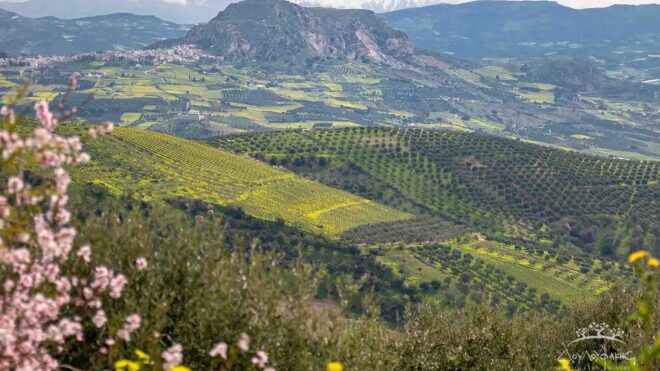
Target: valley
pixel 429 163
pixel 449 187
pixel 202 99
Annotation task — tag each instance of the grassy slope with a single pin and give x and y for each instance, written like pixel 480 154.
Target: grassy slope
pixel 158 166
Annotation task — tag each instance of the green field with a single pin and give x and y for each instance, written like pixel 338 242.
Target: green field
pixel 158 166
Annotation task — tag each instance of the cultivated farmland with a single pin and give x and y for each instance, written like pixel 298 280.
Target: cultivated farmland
pixel 158 166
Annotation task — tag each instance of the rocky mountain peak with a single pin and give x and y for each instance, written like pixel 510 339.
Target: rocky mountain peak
pixel 280 30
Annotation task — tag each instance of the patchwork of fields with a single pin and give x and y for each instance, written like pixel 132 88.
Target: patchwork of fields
pixel 229 99
pixel 158 166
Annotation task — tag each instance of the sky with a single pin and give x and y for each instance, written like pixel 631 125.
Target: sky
pixel 198 11
pixel 571 3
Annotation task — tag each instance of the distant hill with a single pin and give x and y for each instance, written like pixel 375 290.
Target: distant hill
pixel 54 36
pixel 583 75
pixel 529 28
pixel 191 12
pixel 269 30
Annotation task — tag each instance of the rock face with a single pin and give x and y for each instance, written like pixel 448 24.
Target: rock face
pixel 270 30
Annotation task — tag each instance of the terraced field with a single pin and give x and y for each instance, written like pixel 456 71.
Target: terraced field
pixel 158 166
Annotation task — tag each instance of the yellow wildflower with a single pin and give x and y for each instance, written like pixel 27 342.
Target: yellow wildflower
pixel 637 256
pixel 181 368
pixel 335 366
pixel 126 365
pixel 654 263
pixel 564 365
pixel 141 355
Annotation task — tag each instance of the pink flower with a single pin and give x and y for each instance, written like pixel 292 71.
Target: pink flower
pixel 40 289
pixel 47 119
pixel 85 253
pixel 261 359
pixel 8 113
pixel 99 319
pixel 133 322
pixel 107 127
pixel 141 264
pixel 172 357
pixel 82 158
pixel 219 349
pixel 96 303
pixel 124 335
pixel 62 181
pixel 243 343
pixel 117 285
pixel 102 277
pixel 15 185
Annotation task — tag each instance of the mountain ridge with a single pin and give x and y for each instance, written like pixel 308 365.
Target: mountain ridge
pixel 508 29
pixel 55 36
pixel 72 9
pixel 295 32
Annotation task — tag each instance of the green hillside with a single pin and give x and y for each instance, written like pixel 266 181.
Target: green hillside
pixel 551 223
pixel 460 266
pixel 438 255
pixel 507 189
pixel 158 166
